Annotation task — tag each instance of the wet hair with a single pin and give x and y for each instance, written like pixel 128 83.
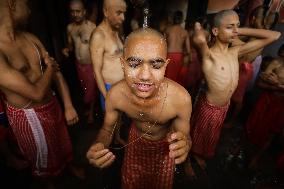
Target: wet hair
pixel 178 17
pixel 265 62
pixel 281 50
pixel 144 32
pixel 220 15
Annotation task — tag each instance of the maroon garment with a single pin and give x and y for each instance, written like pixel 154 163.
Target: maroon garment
pixel 175 65
pixel 42 136
pixel 87 82
pixel 267 118
pixel 147 164
pixel 206 125
pixel 245 75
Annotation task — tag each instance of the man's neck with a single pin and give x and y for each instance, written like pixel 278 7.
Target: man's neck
pixel 220 46
pixel 109 28
pixel 80 23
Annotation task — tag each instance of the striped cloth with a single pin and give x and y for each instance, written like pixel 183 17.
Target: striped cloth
pixel 147 164
pixel 206 123
pixel 42 136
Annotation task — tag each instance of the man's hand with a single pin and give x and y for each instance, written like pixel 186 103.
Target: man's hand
pixel 50 62
pixel 100 157
pixel 199 35
pixel 65 52
pixel 71 116
pixel 179 146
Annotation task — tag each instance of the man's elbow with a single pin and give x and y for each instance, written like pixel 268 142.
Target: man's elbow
pixel 276 35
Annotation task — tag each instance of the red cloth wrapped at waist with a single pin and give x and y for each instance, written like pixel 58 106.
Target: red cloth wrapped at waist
pixel 266 118
pixel 87 81
pixel 206 122
pixel 42 137
pixel 147 164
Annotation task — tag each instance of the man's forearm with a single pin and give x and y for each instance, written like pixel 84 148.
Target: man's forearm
pixel 258 33
pixel 101 84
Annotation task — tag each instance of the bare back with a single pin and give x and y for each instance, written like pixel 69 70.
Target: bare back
pixel 111 49
pixel 157 117
pixel 176 38
pixel 80 35
pixel 23 57
pixel 221 71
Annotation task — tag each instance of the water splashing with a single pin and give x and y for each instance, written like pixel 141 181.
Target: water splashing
pixel 146 14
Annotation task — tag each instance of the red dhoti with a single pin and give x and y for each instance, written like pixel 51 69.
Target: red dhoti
pixel 206 123
pixel 175 65
pixel 87 81
pixel 245 75
pixel 147 164
pixel 42 136
pixel 266 119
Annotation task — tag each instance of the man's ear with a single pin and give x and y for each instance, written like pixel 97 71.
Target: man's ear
pixel 215 31
pixel 12 4
pixel 167 62
pixel 122 62
pixel 105 11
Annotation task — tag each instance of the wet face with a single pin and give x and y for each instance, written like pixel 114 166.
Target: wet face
pixel 20 11
pixel 144 65
pixel 115 15
pixel 227 31
pixel 77 12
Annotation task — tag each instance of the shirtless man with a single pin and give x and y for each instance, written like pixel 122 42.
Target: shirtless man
pixel 178 43
pixel 78 34
pixel 159 136
pixel 106 47
pixel 34 114
pixel 221 70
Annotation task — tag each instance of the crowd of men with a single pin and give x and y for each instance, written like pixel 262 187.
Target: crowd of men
pixel 177 87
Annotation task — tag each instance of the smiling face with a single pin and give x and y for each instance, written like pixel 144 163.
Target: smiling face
pixel 227 29
pixel 144 63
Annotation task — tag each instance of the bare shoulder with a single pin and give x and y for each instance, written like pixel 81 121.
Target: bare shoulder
pixel 116 94
pixel 177 94
pixel 70 27
pixel 91 24
pixel 98 35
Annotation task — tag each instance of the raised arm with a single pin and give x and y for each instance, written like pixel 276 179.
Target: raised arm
pixel 263 38
pixel 98 154
pixel 13 80
pixel 199 39
pixel 97 53
pixel 180 140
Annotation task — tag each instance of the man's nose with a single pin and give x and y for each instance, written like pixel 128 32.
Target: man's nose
pixel 145 73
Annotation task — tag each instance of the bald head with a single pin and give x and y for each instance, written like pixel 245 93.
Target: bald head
pixel 77 2
pixel 111 3
pixel 145 34
pixel 220 16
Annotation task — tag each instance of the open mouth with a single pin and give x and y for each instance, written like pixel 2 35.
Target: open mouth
pixel 144 87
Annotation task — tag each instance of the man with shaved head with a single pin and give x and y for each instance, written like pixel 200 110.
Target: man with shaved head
pixel 159 135
pixel 106 47
pixel 78 36
pixel 221 70
pixel 35 116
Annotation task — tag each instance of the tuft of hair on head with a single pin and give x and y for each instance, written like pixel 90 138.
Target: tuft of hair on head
pixel 220 15
pixel 145 33
pixel 178 17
